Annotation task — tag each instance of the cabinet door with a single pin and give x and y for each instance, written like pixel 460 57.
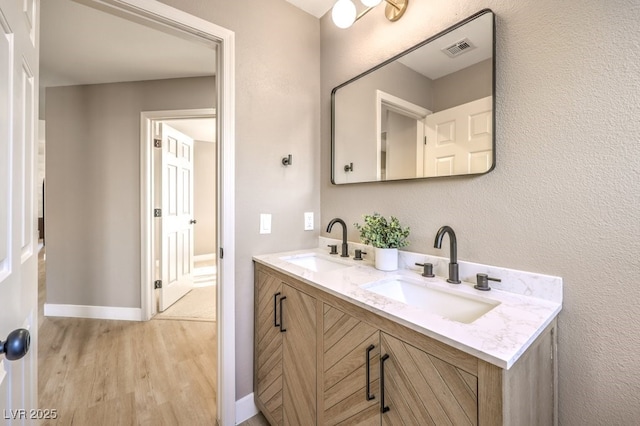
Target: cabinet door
pixel 350 366
pixel 268 346
pixel 299 357
pixel 420 389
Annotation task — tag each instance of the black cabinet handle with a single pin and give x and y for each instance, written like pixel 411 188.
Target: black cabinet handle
pixel 282 330
pixel 383 408
pixel 275 309
pixel 367 363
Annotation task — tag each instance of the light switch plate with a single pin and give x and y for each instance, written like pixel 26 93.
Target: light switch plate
pixel 265 223
pixel 308 221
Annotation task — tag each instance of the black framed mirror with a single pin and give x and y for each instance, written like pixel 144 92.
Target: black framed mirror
pixel 427 112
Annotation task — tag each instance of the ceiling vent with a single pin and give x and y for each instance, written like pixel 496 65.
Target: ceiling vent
pixel 458 48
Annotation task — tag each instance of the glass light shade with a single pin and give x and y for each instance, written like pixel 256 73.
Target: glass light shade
pixel 371 3
pixel 343 13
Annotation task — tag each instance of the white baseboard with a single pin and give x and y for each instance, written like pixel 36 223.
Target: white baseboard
pixel 204 257
pixel 95 312
pixel 245 408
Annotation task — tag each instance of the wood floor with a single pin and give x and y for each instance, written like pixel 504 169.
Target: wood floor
pixel 98 372
pixel 102 372
pixel 119 372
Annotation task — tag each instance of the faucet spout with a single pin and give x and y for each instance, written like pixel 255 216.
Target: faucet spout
pixel 345 246
pixel 453 252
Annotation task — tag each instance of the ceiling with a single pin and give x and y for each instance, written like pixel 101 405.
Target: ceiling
pixel 82 45
pixel 316 8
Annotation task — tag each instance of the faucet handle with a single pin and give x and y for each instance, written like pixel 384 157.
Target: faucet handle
pixel 483 282
pixel 358 255
pixel 428 269
pixel 334 248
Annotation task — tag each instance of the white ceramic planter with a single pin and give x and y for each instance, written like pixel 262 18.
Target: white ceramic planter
pixel 386 259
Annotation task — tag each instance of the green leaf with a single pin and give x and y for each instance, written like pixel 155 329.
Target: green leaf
pixel 379 232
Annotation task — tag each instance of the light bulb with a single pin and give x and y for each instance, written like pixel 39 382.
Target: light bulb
pixel 343 13
pixel 371 3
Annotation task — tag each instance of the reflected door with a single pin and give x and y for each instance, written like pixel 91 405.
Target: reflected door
pixel 459 140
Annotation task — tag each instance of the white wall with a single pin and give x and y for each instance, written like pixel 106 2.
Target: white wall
pixel 564 198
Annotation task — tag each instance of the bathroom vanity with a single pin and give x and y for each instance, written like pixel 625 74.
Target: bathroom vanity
pixel 334 344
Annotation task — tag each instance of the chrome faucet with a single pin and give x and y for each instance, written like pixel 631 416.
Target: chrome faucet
pixel 453 248
pixel 345 246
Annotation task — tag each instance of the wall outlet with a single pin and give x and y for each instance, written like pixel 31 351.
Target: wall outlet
pixel 308 221
pixel 265 223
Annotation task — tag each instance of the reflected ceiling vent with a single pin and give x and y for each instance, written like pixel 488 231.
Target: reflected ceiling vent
pixel 458 48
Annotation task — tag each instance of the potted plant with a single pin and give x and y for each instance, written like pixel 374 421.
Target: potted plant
pixel 386 236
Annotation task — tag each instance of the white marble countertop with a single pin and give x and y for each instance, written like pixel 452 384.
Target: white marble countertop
pixel 499 337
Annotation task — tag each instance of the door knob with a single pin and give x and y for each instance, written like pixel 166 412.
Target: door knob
pixel 17 344
pixel 192 221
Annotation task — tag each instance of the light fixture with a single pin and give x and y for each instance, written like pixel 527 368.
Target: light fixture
pixel 344 11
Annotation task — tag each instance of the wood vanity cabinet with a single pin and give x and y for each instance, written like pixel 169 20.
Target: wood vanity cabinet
pixel 366 369
pixel 418 388
pixel 421 389
pixel 285 352
pixel 350 372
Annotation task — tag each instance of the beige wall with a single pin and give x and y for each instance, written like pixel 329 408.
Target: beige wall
pixel 93 185
pixel 277 113
pixel 204 197
pixel 460 87
pixel 564 198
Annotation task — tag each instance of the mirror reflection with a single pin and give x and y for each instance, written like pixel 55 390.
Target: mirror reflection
pixel 427 112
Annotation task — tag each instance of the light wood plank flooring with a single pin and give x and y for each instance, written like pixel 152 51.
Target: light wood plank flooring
pixel 97 372
pixel 258 420
pixel 115 372
pixel 127 373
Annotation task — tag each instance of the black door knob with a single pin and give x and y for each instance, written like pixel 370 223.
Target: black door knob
pixel 17 344
pixel 192 221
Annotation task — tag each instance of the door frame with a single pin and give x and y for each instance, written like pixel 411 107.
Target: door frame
pixel 400 106
pixel 154 13
pixel 149 162
pixel 148 168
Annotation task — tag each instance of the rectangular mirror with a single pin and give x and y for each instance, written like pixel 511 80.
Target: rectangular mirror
pixel 427 112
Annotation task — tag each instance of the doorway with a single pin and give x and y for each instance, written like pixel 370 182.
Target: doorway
pixel 184 262
pixel 158 15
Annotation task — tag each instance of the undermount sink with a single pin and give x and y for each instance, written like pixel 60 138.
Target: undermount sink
pixel 313 262
pixel 447 304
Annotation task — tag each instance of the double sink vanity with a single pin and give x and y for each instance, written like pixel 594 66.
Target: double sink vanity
pixel 338 341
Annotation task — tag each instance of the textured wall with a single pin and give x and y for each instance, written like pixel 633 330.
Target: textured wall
pixel 93 185
pixel 564 198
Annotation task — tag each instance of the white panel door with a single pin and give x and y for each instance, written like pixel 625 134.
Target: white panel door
pixel 459 139
pixel 18 241
pixel 177 216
